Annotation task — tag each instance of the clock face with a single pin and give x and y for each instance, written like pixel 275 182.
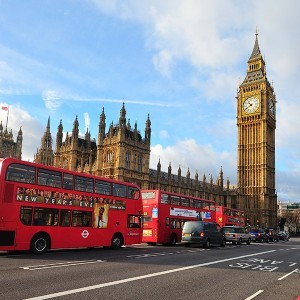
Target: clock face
pixel 251 105
pixel 271 107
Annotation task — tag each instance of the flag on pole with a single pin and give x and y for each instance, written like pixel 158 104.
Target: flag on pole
pixel 5 108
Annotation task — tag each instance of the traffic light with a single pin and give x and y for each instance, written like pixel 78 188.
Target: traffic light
pixel 257 223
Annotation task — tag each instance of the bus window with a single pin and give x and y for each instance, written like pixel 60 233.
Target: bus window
pixel 81 218
pixel 148 195
pixel 164 198
pixel 68 182
pixel 65 218
pixel 45 216
pixel 198 204
pixel 102 187
pixel 133 193
pixel 175 223
pixel 26 215
pixel 49 178
pixel 119 190
pixel 20 173
pixel 134 221
pixel 175 200
pixel 167 221
pixel 84 184
pixel 185 201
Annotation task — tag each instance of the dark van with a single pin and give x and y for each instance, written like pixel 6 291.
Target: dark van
pixel 202 233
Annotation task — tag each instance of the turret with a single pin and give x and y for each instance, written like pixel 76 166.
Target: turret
pixel 59 136
pixel 122 119
pixel 102 125
pixel 19 143
pixel 75 131
pixel 148 131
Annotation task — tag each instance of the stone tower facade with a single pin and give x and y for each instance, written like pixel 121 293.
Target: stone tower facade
pixel 44 155
pixel 256 122
pixel 121 152
pixel 74 153
pixel 8 147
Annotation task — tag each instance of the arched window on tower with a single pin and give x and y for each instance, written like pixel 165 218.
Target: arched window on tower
pixel 65 163
pixel 140 163
pixel 127 160
pixel 109 157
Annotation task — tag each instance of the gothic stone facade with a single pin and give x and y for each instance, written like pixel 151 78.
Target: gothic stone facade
pixel 8 147
pixel 122 153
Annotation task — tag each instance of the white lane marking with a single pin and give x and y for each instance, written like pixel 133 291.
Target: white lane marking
pixel 148 255
pixel 59 265
pixel 254 295
pixel 102 285
pixel 286 275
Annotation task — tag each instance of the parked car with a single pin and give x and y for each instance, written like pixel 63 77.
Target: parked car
pixel 202 233
pixel 258 235
pixel 272 235
pixel 236 235
pixel 283 235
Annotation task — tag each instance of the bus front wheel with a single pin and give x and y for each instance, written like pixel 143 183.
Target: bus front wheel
pixel 39 244
pixel 117 241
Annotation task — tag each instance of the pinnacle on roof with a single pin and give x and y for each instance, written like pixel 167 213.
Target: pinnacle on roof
pixel 256 51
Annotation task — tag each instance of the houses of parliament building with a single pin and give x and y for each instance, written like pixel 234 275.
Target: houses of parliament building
pixel 122 152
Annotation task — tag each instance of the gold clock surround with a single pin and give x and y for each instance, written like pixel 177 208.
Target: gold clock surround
pixel 251 105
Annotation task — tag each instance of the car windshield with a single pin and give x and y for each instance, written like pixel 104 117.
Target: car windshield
pixel 192 226
pixel 228 230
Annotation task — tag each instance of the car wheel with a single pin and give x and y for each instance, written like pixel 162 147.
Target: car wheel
pixel 240 241
pixel 223 244
pixel 187 245
pixel 206 244
pixel 249 241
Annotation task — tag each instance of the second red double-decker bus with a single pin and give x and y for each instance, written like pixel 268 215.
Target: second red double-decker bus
pixel 42 208
pixel 165 214
pixel 226 216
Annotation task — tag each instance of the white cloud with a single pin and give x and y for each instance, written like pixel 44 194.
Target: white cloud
pixel 163 62
pixel 201 158
pixel 31 128
pixel 87 121
pixel 163 134
pixel 51 99
pixel 287 129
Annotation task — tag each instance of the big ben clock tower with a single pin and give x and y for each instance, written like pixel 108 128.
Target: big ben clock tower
pixel 256 122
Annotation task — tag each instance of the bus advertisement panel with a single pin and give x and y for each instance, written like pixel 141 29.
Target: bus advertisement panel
pixel 42 208
pixel 165 214
pixel 226 216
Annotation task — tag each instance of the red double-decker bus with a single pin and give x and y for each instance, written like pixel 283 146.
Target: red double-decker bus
pixel 226 216
pixel 43 208
pixel 165 214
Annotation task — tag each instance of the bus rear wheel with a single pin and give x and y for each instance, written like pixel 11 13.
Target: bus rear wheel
pixel 117 241
pixel 39 244
pixel 173 239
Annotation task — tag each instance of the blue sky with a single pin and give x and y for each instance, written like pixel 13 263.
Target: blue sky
pixel 179 61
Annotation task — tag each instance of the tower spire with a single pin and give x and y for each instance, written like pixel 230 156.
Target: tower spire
pixel 256 51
